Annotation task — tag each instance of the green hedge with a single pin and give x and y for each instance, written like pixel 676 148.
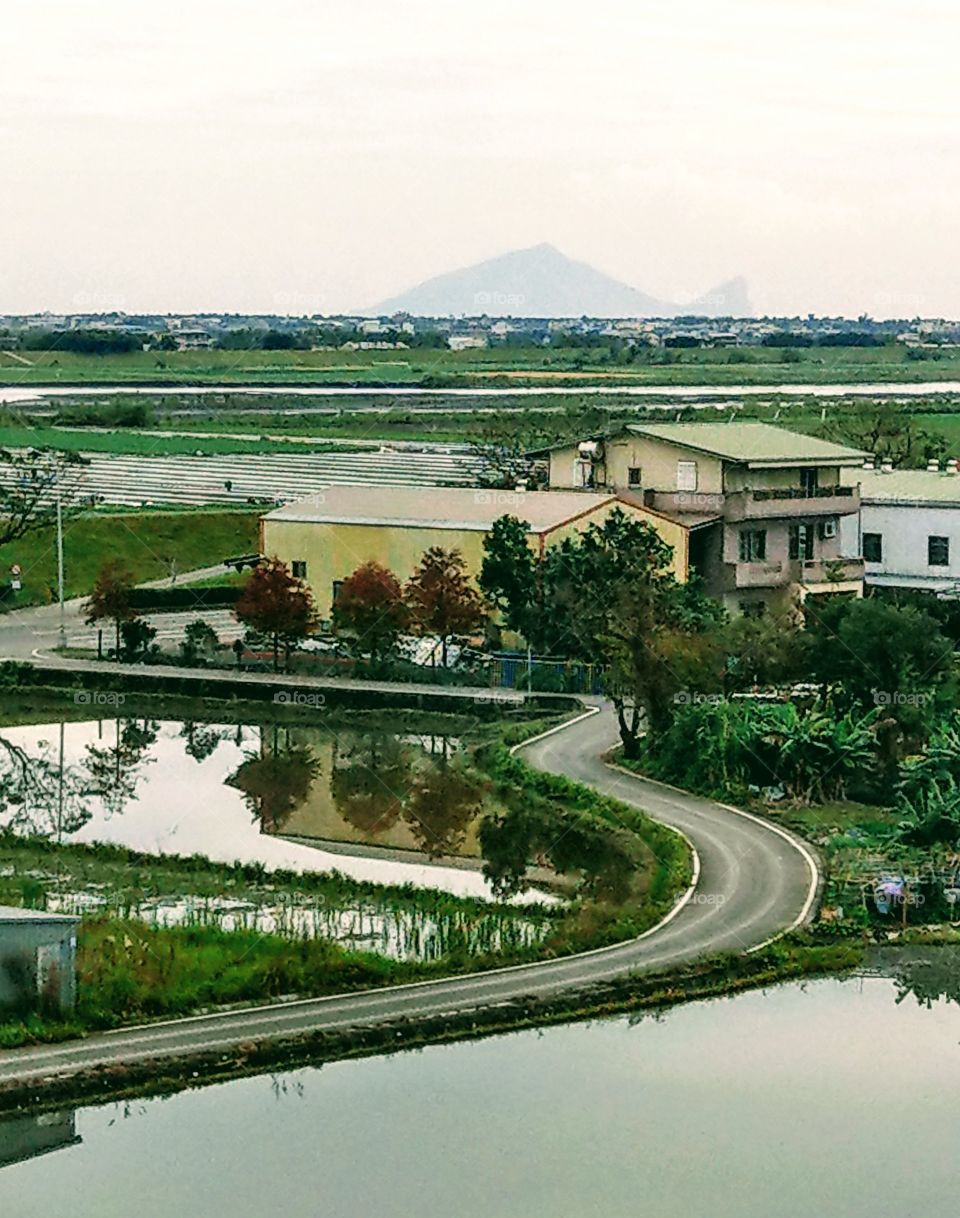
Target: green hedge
pixel 217 596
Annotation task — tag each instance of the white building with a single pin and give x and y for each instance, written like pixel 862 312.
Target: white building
pixel 908 529
pixel 466 342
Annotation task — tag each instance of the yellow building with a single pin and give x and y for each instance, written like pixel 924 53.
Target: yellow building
pixel 327 536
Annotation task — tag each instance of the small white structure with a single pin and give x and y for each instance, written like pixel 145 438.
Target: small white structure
pixel 908 529
pixel 38 967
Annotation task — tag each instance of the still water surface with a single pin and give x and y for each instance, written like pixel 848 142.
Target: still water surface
pixel 373 805
pixel 9 394
pixel 829 1098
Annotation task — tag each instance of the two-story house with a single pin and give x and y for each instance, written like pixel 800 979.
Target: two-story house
pixel 761 504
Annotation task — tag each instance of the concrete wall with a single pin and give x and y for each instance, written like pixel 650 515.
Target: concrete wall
pixel 37 965
pixel 334 551
pixel 905 528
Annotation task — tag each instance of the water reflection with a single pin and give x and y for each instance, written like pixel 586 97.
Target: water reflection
pixel 771 1102
pixel 373 804
pixel 27 1137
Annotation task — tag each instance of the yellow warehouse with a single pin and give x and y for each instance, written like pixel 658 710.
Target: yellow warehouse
pixel 325 537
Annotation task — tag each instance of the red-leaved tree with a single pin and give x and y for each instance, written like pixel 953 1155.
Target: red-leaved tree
pixel 441 598
pixel 370 606
pixel 275 603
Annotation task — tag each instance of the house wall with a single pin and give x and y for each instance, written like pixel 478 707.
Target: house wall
pixel 657 462
pixel 905 528
pixel 334 551
pixel 37 964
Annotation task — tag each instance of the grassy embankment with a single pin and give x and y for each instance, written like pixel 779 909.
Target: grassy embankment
pixel 148 542
pixel 506 365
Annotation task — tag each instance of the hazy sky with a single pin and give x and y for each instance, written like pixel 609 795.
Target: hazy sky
pixel 303 155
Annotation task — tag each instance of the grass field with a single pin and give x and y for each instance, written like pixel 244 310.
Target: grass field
pixel 148 542
pixel 143 443
pixel 509 365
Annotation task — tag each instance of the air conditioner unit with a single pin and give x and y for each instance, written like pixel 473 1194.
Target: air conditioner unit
pixel 828 529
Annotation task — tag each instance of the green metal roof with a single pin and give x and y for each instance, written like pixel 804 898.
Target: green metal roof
pixel 749 443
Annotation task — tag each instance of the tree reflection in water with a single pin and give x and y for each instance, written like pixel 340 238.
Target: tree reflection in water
pixel 39 793
pixel 276 780
pixel 370 780
pixel 606 859
pixel 114 772
pixel 445 798
pixel 929 975
pixel 201 739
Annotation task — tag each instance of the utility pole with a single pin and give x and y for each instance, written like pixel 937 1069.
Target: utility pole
pixel 63 631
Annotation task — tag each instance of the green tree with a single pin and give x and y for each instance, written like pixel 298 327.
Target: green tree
pixel 441 599
pixel 509 575
pixel 878 654
pixel 767 650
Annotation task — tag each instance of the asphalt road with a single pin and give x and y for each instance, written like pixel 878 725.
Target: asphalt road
pixel 754 883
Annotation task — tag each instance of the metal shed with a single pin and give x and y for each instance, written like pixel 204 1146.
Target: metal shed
pixel 38 967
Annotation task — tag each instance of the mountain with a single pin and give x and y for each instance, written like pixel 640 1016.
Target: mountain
pixel 543 282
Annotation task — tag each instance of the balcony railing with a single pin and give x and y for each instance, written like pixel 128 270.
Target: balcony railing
pixel 826 570
pixel 795 502
pixel 755 575
pixel 800 492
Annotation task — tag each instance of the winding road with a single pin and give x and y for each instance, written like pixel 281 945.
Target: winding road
pixel 754 882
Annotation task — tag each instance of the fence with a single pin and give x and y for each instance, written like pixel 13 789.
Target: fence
pixel 511 670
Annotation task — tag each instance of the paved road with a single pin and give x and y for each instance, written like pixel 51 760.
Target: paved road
pixel 754 883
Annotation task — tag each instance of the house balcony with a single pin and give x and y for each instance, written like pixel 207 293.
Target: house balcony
pixel 826 574
pixel 738 575
pixel 790 502
pixel 768 504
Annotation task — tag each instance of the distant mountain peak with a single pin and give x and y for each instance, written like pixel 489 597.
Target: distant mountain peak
pixel 541 281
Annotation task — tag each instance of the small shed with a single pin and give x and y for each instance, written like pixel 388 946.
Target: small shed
pixel 38 965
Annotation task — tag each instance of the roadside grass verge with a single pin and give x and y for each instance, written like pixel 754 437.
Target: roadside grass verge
pixel 150 543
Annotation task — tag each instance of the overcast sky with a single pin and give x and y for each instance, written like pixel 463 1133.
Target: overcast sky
pixel 302 155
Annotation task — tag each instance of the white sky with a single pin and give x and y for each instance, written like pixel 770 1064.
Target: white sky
pixel 304 155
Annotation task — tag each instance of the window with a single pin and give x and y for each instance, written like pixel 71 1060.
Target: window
pixel 686 475
pixel 873 547
pixel 753 545
pixel 938 551
pixel 633 475
pixel 337 585
pixel 809 481
pixel 753 608
pixel 801 541
pixel 299 568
